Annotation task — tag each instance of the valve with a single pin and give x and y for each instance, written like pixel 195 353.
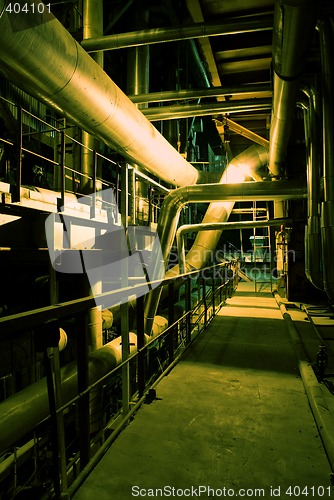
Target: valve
pixel 322 361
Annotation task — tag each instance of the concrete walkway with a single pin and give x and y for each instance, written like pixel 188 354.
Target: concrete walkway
pixel 232 418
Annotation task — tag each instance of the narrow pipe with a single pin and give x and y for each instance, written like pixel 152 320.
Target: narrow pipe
pixel 177 95
pixel 205 243
pixel 158 35
pixel 35 44
pixel 190 228
pixel 191 110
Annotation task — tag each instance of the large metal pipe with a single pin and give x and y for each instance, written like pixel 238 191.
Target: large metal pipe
pixel 294 25
pixel 175 200
pixel 177 95
pixel 325 28
pixel 158 35
pixel 313 266
pixel 40 56
pixel 189 228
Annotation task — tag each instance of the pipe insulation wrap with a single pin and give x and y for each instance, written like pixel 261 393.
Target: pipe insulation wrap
pixel 41 57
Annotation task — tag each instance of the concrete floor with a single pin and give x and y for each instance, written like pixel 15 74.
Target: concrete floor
pixel 231 416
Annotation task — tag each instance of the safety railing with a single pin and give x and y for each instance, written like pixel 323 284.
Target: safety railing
pixel 84 418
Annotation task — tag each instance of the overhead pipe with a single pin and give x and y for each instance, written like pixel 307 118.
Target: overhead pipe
pixel 190 228
pixel 325 29
pixel 175 200
pixel 41 57
pixel 313 266
pixel 172 34
pixel 246 163
pixel 294 25
pixel 185 94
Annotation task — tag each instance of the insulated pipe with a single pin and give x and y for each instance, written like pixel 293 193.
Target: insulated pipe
pixel 177 95
pixel 32 404
pixel 294 25
pixel 158 35
pixel 313 269
pixel 175 200
pixel 190 228
pixel 41 57
pixel 325 28
pixel 246 163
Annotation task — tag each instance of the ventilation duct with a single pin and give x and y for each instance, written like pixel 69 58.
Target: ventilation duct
pixel 174 201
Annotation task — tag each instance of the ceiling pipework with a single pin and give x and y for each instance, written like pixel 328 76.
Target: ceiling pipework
pixel 35 44
pixel 294 27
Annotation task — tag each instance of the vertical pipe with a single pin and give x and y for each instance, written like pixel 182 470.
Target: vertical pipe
pixel 313 269
pixel 140 345
pixel 325 28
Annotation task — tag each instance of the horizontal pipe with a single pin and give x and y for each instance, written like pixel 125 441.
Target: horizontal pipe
pixel 294 26
pixel 191 110
pixel 176 95
pixel 33 45
pixel 190 228
pixel 171 34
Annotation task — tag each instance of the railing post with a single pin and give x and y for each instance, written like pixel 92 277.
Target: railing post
pixel 83 382
pixel 204 302
pixel 61 202
pixel 54 427
pixel 140 345
pixel 17 193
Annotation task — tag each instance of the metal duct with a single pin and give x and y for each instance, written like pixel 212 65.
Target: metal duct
pixel 175 200
pixel 326 35
pixel 313 269
pixel 158 35
pixel 294 25
pixel 40 56
pixel 32 404
pixel 177 95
